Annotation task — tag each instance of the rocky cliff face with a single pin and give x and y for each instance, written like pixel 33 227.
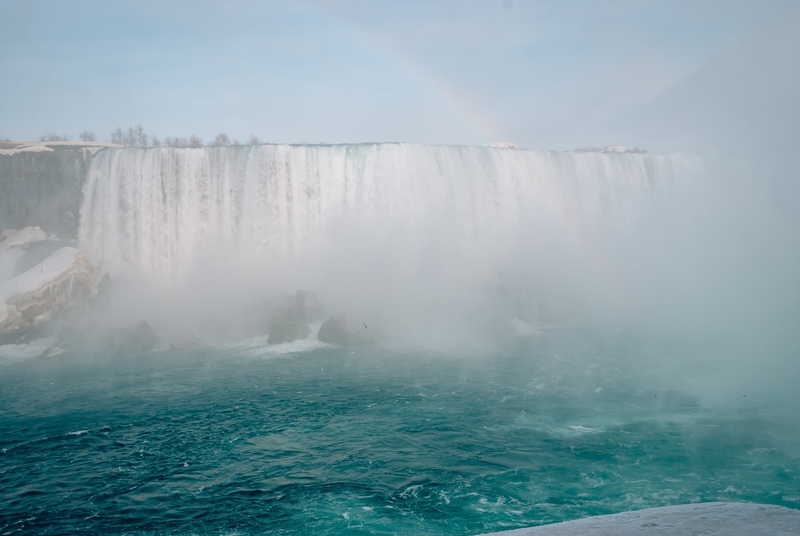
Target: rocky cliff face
pixel 41 185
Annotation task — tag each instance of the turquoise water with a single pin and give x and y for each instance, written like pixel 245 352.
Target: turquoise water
pixel 244 440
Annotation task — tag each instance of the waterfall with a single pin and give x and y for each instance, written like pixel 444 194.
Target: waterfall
pixel 150 210
pixel 442 238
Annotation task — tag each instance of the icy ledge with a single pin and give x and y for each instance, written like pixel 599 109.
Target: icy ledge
pixel 729 519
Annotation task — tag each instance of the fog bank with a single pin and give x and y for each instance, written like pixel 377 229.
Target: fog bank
pixel 441 244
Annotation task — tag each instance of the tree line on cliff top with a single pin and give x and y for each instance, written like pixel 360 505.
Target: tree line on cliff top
pixel 135 136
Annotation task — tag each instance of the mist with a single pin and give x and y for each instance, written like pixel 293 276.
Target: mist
pixel 450 267
pixel 449 246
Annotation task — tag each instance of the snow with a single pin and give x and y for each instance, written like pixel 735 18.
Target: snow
pixel 32 148
pixel 21 238
pixel 731 519
pixel 8 262
pixel 38 276
pixel 41 274
pixel 12 248
pixel 12 148
pixel 503 145
pixel 622 149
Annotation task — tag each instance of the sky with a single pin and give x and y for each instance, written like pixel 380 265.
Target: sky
pixel 662 75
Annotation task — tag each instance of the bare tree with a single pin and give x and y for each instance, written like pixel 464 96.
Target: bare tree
pixel 129 140
pixel 235 142
pixel 176 142
pixel 88 135
pixel 154 141
pixel 141 137
pixel 221 140
pixel 51 136
pixel 254 140
pixel 195 141
pixel 116 136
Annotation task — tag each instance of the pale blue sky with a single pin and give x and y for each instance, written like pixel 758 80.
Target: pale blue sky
pixel 665 75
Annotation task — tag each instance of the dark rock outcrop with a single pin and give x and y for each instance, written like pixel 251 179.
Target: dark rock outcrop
pixel 306 305
pixel 44 188
pixel 288 331
pixel 336 331
pixel 139 339
pixel 289 323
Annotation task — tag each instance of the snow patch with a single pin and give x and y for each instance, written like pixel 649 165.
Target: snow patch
pixel 731 519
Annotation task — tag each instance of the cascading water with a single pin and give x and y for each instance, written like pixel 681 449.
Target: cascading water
pixel 150 210
pixel 380 222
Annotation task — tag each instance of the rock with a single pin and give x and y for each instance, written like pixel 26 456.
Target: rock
pixel 62 281
pixel 335 331
pixel 288 330
pixel 139 339
pixel 289 323
pixel 306 305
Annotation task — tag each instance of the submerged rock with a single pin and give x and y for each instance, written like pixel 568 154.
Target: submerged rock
pixel 139 339
pixel 62 281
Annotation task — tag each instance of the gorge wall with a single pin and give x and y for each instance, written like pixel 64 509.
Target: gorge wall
pixel 41 184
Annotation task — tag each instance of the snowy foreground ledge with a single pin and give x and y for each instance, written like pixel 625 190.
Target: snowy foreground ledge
pixel 729 519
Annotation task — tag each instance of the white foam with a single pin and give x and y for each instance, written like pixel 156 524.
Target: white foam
pixel 523 329
pixel 11 353
pixel 585 430
pixel 258 347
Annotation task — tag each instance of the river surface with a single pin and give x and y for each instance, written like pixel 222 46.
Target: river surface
pixel 250 439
